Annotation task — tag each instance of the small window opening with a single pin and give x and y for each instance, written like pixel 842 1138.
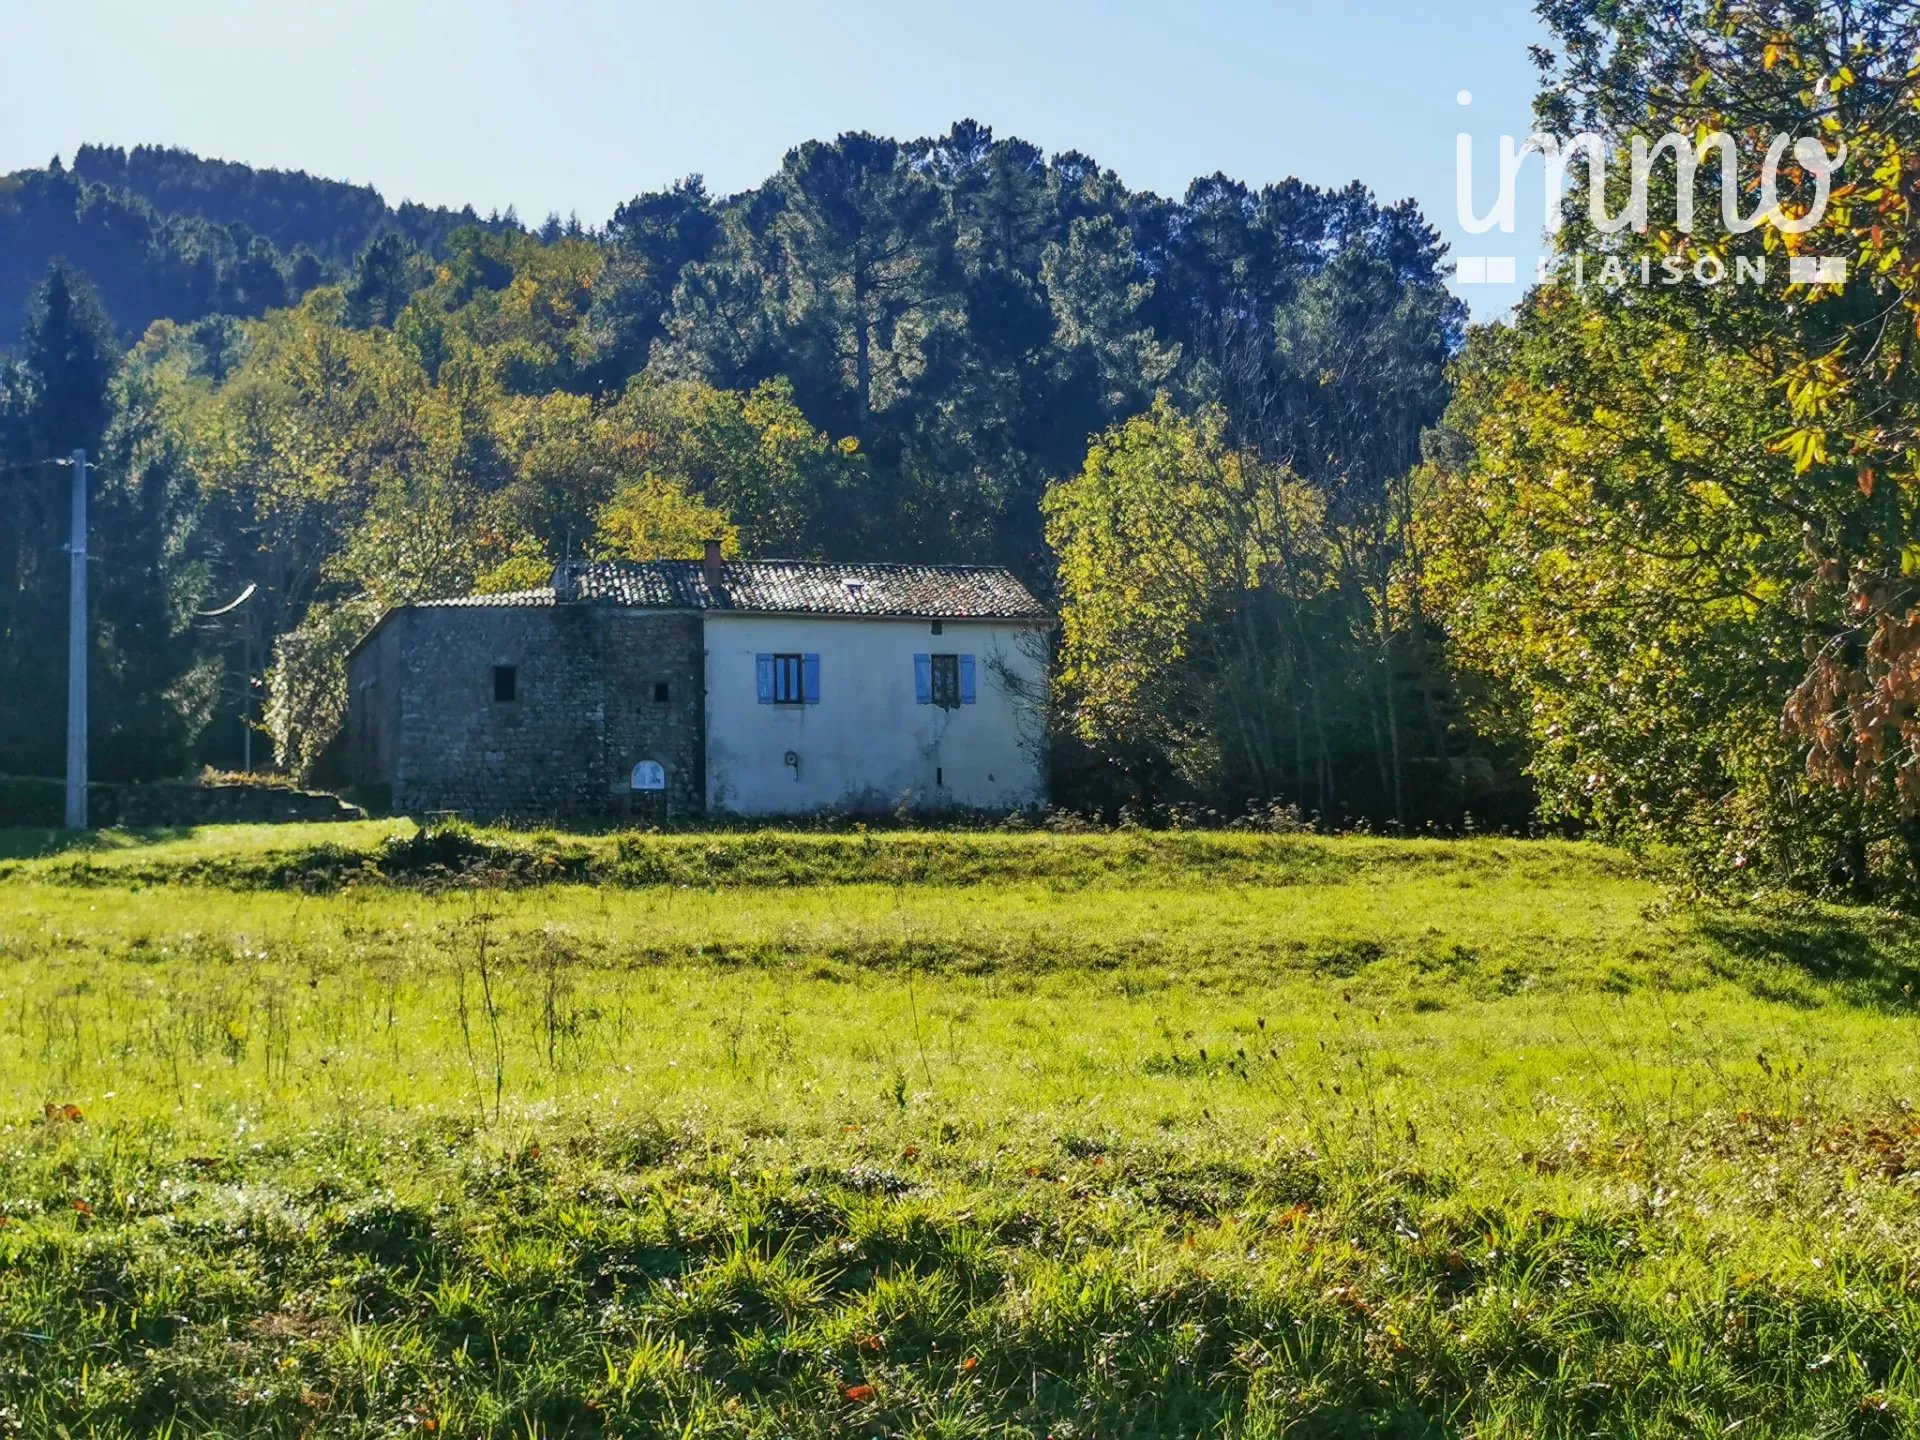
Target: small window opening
pixel 946 681
pixel 506 683
pixel 939 775
pixel 938 629
pixel 787 688
pixel 660 692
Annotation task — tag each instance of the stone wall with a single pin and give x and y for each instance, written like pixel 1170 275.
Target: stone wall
pixel 638 652
pixel 167 804
pixel 145 806
pixel 426 733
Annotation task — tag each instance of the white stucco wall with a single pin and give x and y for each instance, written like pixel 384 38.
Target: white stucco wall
pixel 868 744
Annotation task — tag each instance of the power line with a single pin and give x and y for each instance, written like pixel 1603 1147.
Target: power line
pixel 232 605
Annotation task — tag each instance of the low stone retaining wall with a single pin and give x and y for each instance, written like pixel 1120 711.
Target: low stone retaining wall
pixel 40 804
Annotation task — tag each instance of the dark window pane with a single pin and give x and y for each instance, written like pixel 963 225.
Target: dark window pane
pixel 506 683
pixel 659 692
pixel 786 680
pixel 946 680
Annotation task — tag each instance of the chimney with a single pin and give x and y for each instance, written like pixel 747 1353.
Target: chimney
pixel 712 566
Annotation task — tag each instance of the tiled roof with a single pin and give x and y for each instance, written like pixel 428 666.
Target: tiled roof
pixel 542 596
pixel 786 587
pixel 950 592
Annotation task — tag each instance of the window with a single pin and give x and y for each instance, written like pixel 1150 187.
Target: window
pixel 506 684
pixel 946 681
pixel 787 679
pixel 943 680
pixel 660 692
pixel 938 628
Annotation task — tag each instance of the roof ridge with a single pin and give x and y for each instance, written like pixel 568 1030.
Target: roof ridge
pixel 814 564
pixel 803 587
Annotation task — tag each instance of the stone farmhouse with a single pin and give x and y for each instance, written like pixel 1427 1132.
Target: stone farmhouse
pixel 679 689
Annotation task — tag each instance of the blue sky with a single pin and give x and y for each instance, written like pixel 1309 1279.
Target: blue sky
pixel 576 105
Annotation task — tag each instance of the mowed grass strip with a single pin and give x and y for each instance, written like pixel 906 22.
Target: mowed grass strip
pixel 325 858
pixel 1130 1135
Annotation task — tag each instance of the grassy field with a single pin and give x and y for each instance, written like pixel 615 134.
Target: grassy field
pixel 356 1131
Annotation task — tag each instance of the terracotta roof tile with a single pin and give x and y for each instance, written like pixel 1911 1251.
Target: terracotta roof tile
pixel 953 592
pixel 542 596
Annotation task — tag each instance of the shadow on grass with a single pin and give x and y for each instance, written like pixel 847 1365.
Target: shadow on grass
pixel 1869 957
pixel 42 844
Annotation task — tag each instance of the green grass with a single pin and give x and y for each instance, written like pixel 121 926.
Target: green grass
pixel 951 1134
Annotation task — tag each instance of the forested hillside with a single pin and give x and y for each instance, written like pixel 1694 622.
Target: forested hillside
pixel 289 209
pixel 889 350
pixel 146 264
pixel 162 233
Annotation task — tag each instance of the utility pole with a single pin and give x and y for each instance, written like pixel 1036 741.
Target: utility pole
pixel 77 653
pixel 246 702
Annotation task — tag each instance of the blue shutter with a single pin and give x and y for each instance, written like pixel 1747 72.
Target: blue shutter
pixel 810 679
pixel 923 679
pixel 966 679
pixel 763 677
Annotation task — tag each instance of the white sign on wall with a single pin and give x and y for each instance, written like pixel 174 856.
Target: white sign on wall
pixel 649 775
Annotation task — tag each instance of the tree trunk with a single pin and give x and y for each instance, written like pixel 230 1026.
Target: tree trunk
pixel 862 348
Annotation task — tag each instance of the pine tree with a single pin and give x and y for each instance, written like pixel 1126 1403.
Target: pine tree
pixel 148 693
pixel 54 401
